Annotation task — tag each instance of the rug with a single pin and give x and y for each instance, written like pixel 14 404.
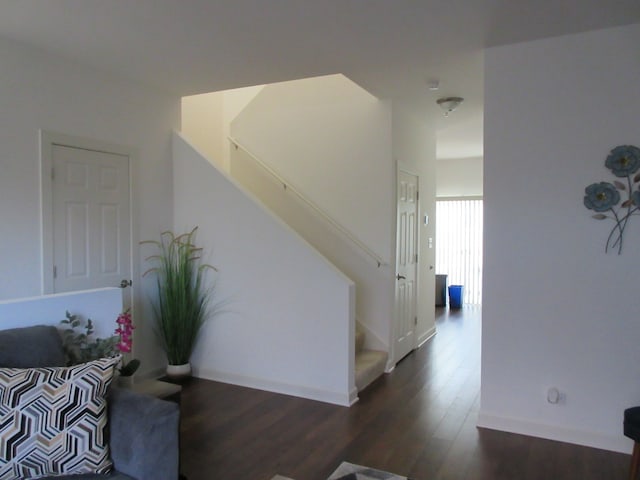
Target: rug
pixel 349 471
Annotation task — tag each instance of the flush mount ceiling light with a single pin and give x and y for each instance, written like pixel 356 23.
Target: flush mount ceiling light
pixel 449 104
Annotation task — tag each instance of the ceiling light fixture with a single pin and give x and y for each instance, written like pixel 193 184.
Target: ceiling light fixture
pixel 449 104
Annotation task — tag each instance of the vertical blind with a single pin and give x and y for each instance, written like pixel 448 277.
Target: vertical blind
pixel 459 245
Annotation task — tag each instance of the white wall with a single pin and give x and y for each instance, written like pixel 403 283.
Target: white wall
pixel 372 308
pixel 557 310
pixel 332 140
pixel 206 121
pixel 203 124
pixel 459 177
pixel 39 91
pixel 102 306
pixel 288 322
pixel 233 103
pixel 414 148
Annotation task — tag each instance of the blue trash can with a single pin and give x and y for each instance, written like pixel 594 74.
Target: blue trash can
pixel 455 296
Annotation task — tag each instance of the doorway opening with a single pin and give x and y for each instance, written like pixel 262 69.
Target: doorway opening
pixel 459 239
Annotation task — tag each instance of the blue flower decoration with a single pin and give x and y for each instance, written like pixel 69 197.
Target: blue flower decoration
pixel 623 160
pixel 601 196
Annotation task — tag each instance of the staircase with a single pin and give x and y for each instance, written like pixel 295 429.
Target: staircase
pixel 370 364
pixel 331 240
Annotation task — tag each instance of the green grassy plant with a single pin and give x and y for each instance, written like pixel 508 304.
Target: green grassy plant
pixel 183 300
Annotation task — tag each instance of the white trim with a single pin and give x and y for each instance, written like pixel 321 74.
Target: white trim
pixel 345 399
pixel 401 167
pixel 353 396
pixel 553 432
pixel 391 354
pixel 46 213
pixel 426 336
pixel 47 140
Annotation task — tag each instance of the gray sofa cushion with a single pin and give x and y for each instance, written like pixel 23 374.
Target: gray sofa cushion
pixel 28 347
pixel 147 432
pixel 112 476
pixel 143 430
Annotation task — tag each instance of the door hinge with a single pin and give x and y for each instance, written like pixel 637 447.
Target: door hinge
pixel 416 258
pixel 415 320
pixel 55 272
pixel 417 194
pixel 53 173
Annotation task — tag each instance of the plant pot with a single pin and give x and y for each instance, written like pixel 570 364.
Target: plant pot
pixel 177 372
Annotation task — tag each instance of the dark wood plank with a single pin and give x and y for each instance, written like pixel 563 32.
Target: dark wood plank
pixel 417 421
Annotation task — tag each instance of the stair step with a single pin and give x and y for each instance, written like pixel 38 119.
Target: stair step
pixel 370 364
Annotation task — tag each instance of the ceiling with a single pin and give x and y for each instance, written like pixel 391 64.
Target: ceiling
pixel 390 47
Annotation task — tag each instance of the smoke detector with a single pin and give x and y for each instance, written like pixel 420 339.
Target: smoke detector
pixel 433 84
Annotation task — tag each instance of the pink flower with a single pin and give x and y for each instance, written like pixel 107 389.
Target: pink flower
pixel 125 330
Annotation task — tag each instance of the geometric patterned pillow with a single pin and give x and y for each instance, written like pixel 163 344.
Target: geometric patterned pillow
pixel 53 420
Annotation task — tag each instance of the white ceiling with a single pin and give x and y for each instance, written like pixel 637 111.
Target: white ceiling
pixel 390 47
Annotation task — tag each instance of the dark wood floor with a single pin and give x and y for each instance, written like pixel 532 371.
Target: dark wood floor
pixel 417 421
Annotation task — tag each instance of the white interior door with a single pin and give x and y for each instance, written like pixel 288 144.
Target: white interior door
pixel 90 218
pixel 406 264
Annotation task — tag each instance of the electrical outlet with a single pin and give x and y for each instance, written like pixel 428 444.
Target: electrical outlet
pixel 555 396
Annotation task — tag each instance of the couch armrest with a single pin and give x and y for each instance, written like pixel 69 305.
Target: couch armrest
pixel 144 435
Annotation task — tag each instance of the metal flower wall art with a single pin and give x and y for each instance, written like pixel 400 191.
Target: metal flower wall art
pixel 605 197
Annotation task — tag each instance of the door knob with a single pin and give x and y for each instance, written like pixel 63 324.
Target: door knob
pixel 400 277
pixel 125 283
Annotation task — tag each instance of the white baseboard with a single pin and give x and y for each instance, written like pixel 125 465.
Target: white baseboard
pixel 426 336
pixel 343 399
pixel 421 341
pixel 353 396
pixel 617 443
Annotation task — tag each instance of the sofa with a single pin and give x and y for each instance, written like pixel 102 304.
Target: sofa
pixel 142 431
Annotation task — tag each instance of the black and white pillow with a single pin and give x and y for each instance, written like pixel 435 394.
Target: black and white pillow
pixel 53 420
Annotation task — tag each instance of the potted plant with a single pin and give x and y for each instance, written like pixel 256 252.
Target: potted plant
pixel 80 346
pixel 182 305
